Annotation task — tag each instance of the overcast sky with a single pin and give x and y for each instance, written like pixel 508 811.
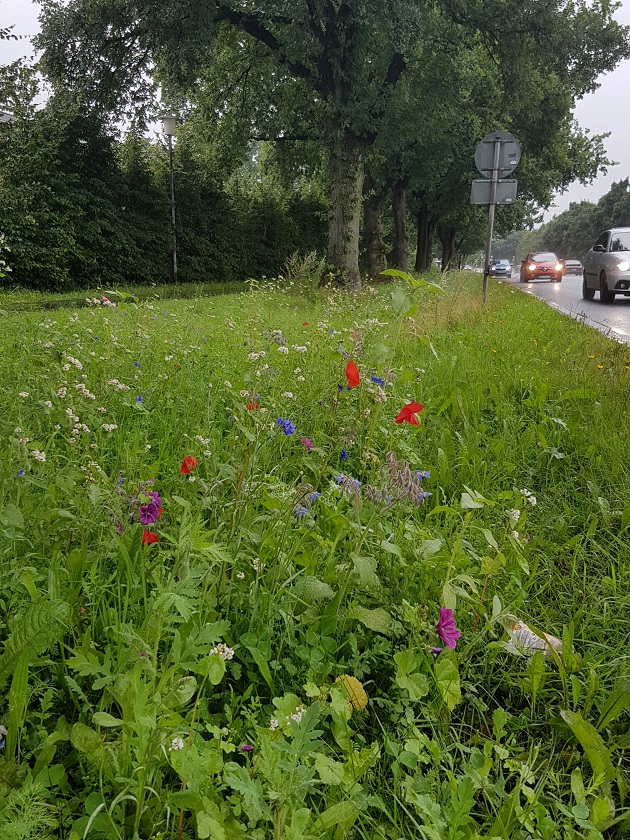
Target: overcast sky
pixel 600 112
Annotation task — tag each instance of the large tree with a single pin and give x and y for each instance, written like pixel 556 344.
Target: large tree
pixel 346 56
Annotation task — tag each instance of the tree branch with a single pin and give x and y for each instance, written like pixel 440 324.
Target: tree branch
pixel 252 25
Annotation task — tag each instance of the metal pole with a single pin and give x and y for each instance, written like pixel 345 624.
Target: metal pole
pixel 491 209
pixel 172 185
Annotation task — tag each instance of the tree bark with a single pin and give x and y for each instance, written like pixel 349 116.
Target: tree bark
pixel 344 212
pixel 447 238
pixel 400 252
pixel 424 241
pixel 375 259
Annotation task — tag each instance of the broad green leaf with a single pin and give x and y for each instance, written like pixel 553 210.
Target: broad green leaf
pixel 106 720
pixel 343 813
pixel 447 678
pixel 88 742
pixel 378 620
pixel 11 517
pixel 593 746
pixel 416 684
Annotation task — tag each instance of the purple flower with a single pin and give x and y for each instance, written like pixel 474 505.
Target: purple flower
pixel 138 399
pixel 313 497
pixel 307 443
pixel 136 364
pixel 246 748
pixel 344 454
pixel 20 473
pixel 446 629
pixel 148 514
pixel 300 512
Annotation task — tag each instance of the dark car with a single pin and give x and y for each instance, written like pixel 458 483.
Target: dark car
pixel 541 265
pixel 500 268
pixel 573 267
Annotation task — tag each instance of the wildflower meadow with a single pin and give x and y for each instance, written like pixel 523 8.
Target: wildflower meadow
pixel 296 566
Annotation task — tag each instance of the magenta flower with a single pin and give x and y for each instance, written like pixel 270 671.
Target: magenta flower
pixel 306 442
pixel 246 748
pixel 446 629
pixel 150 513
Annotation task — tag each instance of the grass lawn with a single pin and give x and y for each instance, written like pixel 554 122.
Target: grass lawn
pixel 240 600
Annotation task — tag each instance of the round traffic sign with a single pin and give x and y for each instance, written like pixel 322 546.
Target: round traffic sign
pixel 509 154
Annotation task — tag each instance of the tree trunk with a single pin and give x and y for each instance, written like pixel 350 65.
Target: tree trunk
pixel 400 252
pixel 424 247
pixel 344 212
pixel 447 238
pixel 373 230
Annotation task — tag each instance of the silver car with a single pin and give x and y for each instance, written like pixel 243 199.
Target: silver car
pixel 607 266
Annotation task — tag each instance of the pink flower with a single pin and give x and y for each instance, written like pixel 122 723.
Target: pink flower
pixel 446 629
pixel 306 442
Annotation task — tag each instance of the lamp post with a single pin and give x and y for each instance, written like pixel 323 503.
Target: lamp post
pixel 168 126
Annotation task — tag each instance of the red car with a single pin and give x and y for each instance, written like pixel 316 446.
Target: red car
pixel 542 265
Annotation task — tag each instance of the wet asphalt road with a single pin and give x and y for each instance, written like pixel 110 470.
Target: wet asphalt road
pixel 610 318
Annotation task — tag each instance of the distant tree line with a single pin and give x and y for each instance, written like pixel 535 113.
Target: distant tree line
pixel 572 233
pixel 344 127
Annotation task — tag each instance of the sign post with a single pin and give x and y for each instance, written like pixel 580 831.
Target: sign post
pixel 496 156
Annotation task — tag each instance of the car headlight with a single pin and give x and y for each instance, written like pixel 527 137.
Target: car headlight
pixel 558 266
pixel 532 266
pixel 623 266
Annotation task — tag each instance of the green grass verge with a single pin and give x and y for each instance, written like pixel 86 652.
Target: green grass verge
pixel 135 677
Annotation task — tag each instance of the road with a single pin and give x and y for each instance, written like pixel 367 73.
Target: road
pixel 610 318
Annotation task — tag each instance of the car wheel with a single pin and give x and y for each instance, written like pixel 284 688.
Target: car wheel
pixel 587 293
pixel 605 295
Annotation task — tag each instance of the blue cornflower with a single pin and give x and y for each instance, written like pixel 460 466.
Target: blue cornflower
pixel 286 425
pixel 300 512
pixel 340 387
pixel 344 454
pixel 20 473
pixel 138 399
pixel 136 364
pixel 377 380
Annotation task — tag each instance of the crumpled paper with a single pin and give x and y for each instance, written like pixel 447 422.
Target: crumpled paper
pixel 525 642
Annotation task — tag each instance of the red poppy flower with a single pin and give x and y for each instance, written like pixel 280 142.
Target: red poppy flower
pixel 189 465
pixel 252 406
pixel 160 511
pixel 305 323
pixel 177 365
pixel 148 537
pixel 352 374
pixel 408 414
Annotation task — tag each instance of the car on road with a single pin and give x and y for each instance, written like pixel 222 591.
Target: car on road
pixel 607 266
pixel 573 267
pixel 500 268
pixel 541 265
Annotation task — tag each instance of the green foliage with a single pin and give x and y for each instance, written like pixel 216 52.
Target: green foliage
pixel 269 668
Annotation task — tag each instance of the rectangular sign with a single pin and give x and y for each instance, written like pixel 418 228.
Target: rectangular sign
pixel 506 191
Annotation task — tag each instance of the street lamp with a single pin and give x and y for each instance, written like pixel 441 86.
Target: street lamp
pixel 168 126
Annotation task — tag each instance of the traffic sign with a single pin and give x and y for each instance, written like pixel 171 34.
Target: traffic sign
pixel 481 192
pixel 509 155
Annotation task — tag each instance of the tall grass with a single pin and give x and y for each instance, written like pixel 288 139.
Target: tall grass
pixel 136 676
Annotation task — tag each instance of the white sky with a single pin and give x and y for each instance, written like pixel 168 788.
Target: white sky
pixel 602 111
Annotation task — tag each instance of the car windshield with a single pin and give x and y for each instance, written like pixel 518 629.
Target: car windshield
pixel 572 262
pixel 544 258
pixel 620 241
